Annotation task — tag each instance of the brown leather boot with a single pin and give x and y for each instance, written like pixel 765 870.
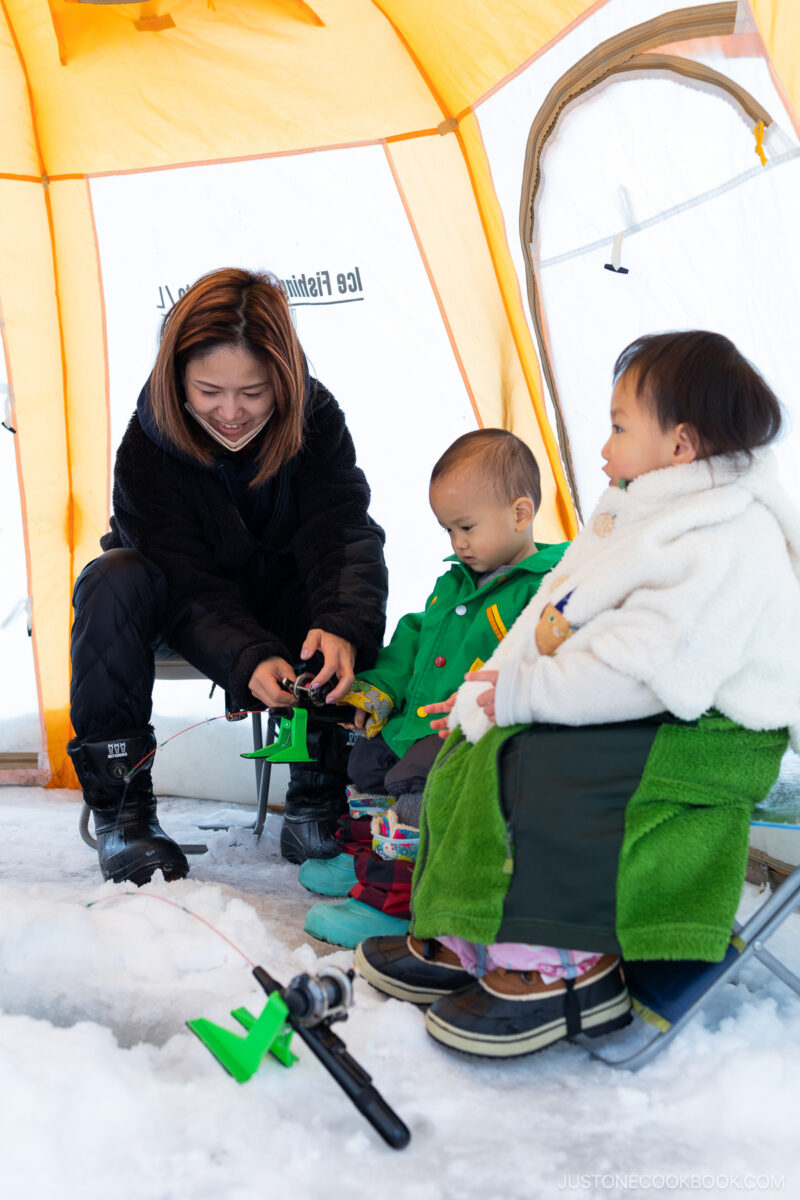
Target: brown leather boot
pixel 509 1013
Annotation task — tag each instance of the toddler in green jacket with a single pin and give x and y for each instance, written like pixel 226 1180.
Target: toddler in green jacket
pixel 485 492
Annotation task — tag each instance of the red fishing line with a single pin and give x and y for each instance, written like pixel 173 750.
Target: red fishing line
pixel 181 907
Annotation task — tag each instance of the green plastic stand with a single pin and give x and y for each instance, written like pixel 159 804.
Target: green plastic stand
pixel 290 744
pixel 266 1034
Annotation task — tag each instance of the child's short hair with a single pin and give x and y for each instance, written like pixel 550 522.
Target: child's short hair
pixel 503 462
pixel 701 378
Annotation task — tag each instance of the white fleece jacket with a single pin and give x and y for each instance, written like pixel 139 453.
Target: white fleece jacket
pixel 683 595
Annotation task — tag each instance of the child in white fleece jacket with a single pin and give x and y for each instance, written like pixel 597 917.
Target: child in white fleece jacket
pixel 681 595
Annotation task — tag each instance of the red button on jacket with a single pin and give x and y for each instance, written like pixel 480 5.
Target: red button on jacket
pixel 439 661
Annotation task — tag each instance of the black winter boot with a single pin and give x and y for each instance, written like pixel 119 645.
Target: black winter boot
pixel 131 845
pixel 316 797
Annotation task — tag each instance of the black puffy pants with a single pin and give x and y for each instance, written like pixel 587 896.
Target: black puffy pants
pixel 120 601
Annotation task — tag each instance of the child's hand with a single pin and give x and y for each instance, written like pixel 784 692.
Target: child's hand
pixel 441 706
pixel 374 707
pixel 358 722
pixel 486 699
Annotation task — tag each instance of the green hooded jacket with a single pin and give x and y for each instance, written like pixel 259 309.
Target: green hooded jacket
pixel 431 651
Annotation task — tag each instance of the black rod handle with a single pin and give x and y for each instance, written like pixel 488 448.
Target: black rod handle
pixel 356 1083
pixel 351 1077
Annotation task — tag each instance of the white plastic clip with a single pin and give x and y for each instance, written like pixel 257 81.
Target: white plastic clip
pixel 628 221
pixel 5 397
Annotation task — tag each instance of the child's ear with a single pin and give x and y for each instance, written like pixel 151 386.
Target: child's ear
pixel 687 443
pixel 524 512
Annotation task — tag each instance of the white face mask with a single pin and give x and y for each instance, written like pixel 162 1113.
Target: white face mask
pixel 240 443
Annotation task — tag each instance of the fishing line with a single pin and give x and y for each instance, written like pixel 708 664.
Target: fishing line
pixel 228 716
pixel 174 904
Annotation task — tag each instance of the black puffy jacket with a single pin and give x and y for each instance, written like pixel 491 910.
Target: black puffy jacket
pixel 235 596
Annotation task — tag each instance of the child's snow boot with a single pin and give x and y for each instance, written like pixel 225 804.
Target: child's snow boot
pixel 131 845
pixel 392 840
pixel 508 1013
pixel 410 969
pixel 328 876
pixel 367 804
pixel 349 923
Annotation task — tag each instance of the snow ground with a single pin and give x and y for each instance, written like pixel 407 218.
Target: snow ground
pixel 106 1093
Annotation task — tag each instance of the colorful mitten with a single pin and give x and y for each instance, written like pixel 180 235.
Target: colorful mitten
pixel 366 804
pixel 391 840
pixel 375 703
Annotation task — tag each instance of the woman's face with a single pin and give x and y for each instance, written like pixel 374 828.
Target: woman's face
pixel 229 388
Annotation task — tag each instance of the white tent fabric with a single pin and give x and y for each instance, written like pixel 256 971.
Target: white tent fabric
pixel 20 729
pixel 325 223
pixel 719 250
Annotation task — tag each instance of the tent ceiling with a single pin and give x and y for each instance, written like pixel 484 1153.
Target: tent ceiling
pixel 353 70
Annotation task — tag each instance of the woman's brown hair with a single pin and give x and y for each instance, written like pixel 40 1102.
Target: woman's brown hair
pixel 232 307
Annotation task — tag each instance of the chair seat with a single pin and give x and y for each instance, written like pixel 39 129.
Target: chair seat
pixel 176 668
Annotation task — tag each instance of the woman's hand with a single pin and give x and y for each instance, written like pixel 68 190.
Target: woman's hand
pixel 339 657
pixel 441 706
pixel 486 699
pixel 265 682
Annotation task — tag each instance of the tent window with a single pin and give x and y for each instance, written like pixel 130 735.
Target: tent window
pixel 630 55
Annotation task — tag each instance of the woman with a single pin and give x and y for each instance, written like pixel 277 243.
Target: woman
pixel 240 540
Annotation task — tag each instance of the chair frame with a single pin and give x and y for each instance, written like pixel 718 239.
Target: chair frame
pixel 748 941
pixel 173 668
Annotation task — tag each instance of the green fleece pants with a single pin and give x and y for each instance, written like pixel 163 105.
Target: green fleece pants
pixel 624 838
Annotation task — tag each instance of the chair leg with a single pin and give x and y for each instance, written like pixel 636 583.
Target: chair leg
pixel 258 742
pixel 84 827
pixel 91 841
pixel 263 771
pixel 767 959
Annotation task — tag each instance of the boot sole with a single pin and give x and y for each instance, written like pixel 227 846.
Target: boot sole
pixel 605 1018
pixel 396 987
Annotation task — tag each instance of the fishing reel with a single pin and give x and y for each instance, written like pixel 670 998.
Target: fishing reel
pixel 324 997
pixel 305 695
pixel 312 701
pixel 309 709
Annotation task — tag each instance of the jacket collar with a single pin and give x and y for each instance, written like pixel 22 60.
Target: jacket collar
pixel 544 560
pixel 670 483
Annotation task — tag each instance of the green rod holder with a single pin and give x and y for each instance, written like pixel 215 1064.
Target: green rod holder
pixel 290 744
pixel 268 1033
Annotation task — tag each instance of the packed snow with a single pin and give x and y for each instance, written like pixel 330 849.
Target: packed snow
pixel 105 1092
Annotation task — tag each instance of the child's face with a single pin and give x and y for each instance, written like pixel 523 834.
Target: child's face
pixel 484 533
pixel 638 444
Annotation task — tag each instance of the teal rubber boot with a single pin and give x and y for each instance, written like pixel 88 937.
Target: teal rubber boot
pixel 328 876
pixel 350 922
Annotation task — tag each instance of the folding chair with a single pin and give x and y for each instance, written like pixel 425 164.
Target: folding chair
pixel 175 667
pixel 667 995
